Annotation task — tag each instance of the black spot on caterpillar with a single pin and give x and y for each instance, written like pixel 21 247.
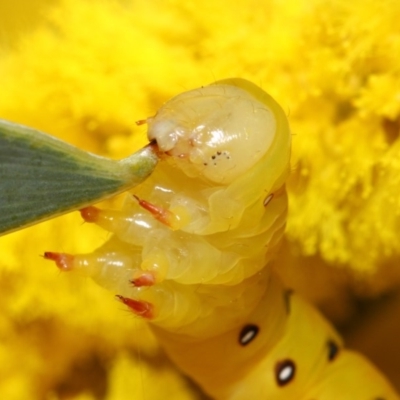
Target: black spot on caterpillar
pixel 248 334
pixel 285 372
pixel 191 252
pixel 333 350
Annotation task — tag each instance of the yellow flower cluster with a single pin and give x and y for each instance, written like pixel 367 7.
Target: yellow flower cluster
pixel 90 68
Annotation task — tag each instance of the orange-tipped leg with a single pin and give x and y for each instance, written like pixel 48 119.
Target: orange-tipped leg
pixel 90 214
pixel 63 261
pixel 144 279
pixel 140 308
pixel 159 213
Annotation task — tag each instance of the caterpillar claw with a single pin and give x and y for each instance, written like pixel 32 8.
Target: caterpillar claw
pixel 63 261
pixel 90 213
pixel 139 307
pixel 144 279
pixel 161 214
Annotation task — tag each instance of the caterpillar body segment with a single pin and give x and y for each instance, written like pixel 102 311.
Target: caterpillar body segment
pixel 192 252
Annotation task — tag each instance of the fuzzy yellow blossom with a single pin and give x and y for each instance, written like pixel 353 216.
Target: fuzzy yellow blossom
pixel 91 68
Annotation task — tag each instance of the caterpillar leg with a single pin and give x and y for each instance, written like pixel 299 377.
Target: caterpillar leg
pixel 111 269
pixel 131 226
pixel 63 261
pixel 139 307
pixel 113 265
pixel 69 262
pixel 143 279
pixel 161 214
pixel 116 271
pixel 165 254
pixel 177 255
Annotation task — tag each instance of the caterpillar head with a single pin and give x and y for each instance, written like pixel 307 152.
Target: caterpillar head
pixel 218 131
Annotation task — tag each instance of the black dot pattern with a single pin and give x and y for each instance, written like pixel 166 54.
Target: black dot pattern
pixel 333 350
pixel 248 334
pixel 285 372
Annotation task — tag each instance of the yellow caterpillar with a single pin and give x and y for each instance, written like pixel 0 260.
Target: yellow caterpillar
pixel 192 252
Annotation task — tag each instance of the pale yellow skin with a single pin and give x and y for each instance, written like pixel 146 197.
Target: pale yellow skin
pixel 226 155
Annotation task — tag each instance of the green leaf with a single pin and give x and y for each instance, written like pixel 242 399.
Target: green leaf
pixel 42 177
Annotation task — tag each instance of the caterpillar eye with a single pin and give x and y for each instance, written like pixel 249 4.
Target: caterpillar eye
pixel 333 350
pixel 248 334
pixel 285 372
